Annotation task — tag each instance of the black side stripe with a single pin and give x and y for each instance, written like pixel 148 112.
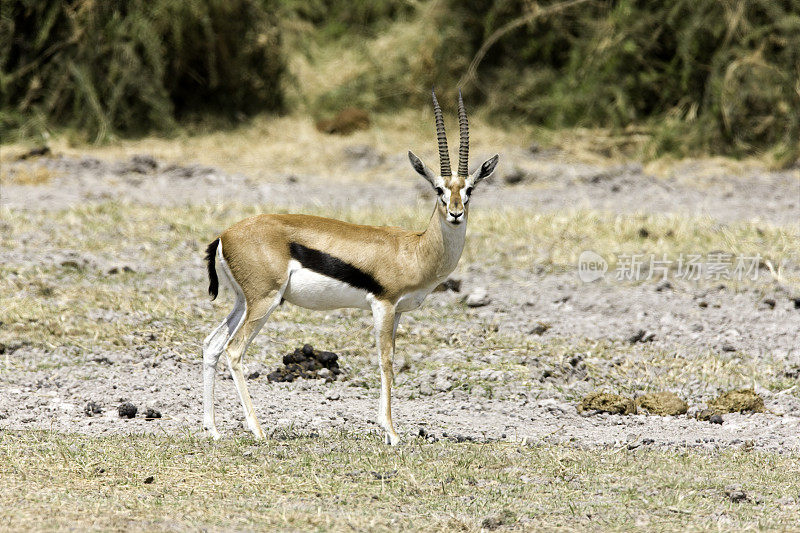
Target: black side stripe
pixel 333 267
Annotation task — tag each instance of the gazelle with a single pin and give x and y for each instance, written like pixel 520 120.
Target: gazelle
pixel 321 263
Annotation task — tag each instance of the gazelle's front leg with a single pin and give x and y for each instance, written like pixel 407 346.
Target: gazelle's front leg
pixel 385 325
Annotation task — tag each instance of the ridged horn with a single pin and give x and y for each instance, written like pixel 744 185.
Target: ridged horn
pixel 463 147
pixel 444 156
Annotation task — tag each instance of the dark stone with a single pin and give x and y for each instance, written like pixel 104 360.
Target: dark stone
pixel 151 413
pixel 663 286
pixel 36 152
pixel 641 336
pixel 540 328
pixel 715 419
pixel 149 479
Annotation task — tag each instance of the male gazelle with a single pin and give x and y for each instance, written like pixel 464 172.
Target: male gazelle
pixel 321 263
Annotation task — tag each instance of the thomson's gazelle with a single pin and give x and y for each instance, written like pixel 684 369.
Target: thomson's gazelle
pixel 321 263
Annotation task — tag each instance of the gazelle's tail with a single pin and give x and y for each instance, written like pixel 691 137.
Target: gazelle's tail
pixel 213 281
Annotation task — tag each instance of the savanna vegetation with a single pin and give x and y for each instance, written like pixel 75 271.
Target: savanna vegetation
pixel 676 77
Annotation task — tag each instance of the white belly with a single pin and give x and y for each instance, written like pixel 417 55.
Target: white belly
pixel 311 290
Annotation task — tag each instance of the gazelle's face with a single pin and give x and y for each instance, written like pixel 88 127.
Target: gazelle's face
pixel 453 195
pixel 453 192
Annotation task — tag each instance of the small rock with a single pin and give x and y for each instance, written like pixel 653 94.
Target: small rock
pixel 151 413
pixel 332 395
pixel 515 175
pixel 540 328
pixel 92 409
pixel 255 374
pixel 641 336
pixel 143 164
pixel 663 286
pixel 715 419
pixel 425 389
pixel 443 384
pixel 384 475
pixel 149 479
pixel 479 297
pixel 736 494
pixel 728 348
pixel 127 410
pixel 769 302
pixel 116 269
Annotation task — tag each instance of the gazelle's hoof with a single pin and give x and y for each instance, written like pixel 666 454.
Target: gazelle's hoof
pixel 392 438
pixel 258 433
pixel 213 433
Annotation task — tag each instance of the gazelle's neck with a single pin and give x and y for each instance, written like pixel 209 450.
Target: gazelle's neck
pixel 442 243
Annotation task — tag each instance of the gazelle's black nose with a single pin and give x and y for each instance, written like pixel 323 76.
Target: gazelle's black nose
pixel 456 216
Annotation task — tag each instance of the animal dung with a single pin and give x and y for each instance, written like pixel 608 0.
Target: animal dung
pixel 151 413
pixel 127 410
pixel 662 403
pixel 606 402
pixel 737 401
pixel 92 409
pixel 307 363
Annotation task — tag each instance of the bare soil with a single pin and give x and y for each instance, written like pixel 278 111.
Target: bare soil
pixel 736 326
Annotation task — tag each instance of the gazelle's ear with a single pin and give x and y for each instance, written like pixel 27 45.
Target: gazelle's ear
pixel 485 171
pixel 421 168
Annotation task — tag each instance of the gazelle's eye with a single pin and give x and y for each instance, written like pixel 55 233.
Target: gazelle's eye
pixel 468 191
pixel 439 191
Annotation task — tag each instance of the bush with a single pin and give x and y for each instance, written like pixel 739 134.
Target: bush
pixel 117 66
pixel 723 73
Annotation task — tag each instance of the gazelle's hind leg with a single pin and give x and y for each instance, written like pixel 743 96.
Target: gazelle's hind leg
pixel 213 346
pixel 236 349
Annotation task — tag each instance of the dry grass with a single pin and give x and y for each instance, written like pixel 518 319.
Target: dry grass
pixel 27 176
pixel 344 482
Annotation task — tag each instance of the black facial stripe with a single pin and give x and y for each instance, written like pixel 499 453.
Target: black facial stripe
pixel 335 268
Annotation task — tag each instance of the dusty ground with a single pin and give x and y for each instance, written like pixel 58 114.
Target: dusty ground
pixel 103 300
